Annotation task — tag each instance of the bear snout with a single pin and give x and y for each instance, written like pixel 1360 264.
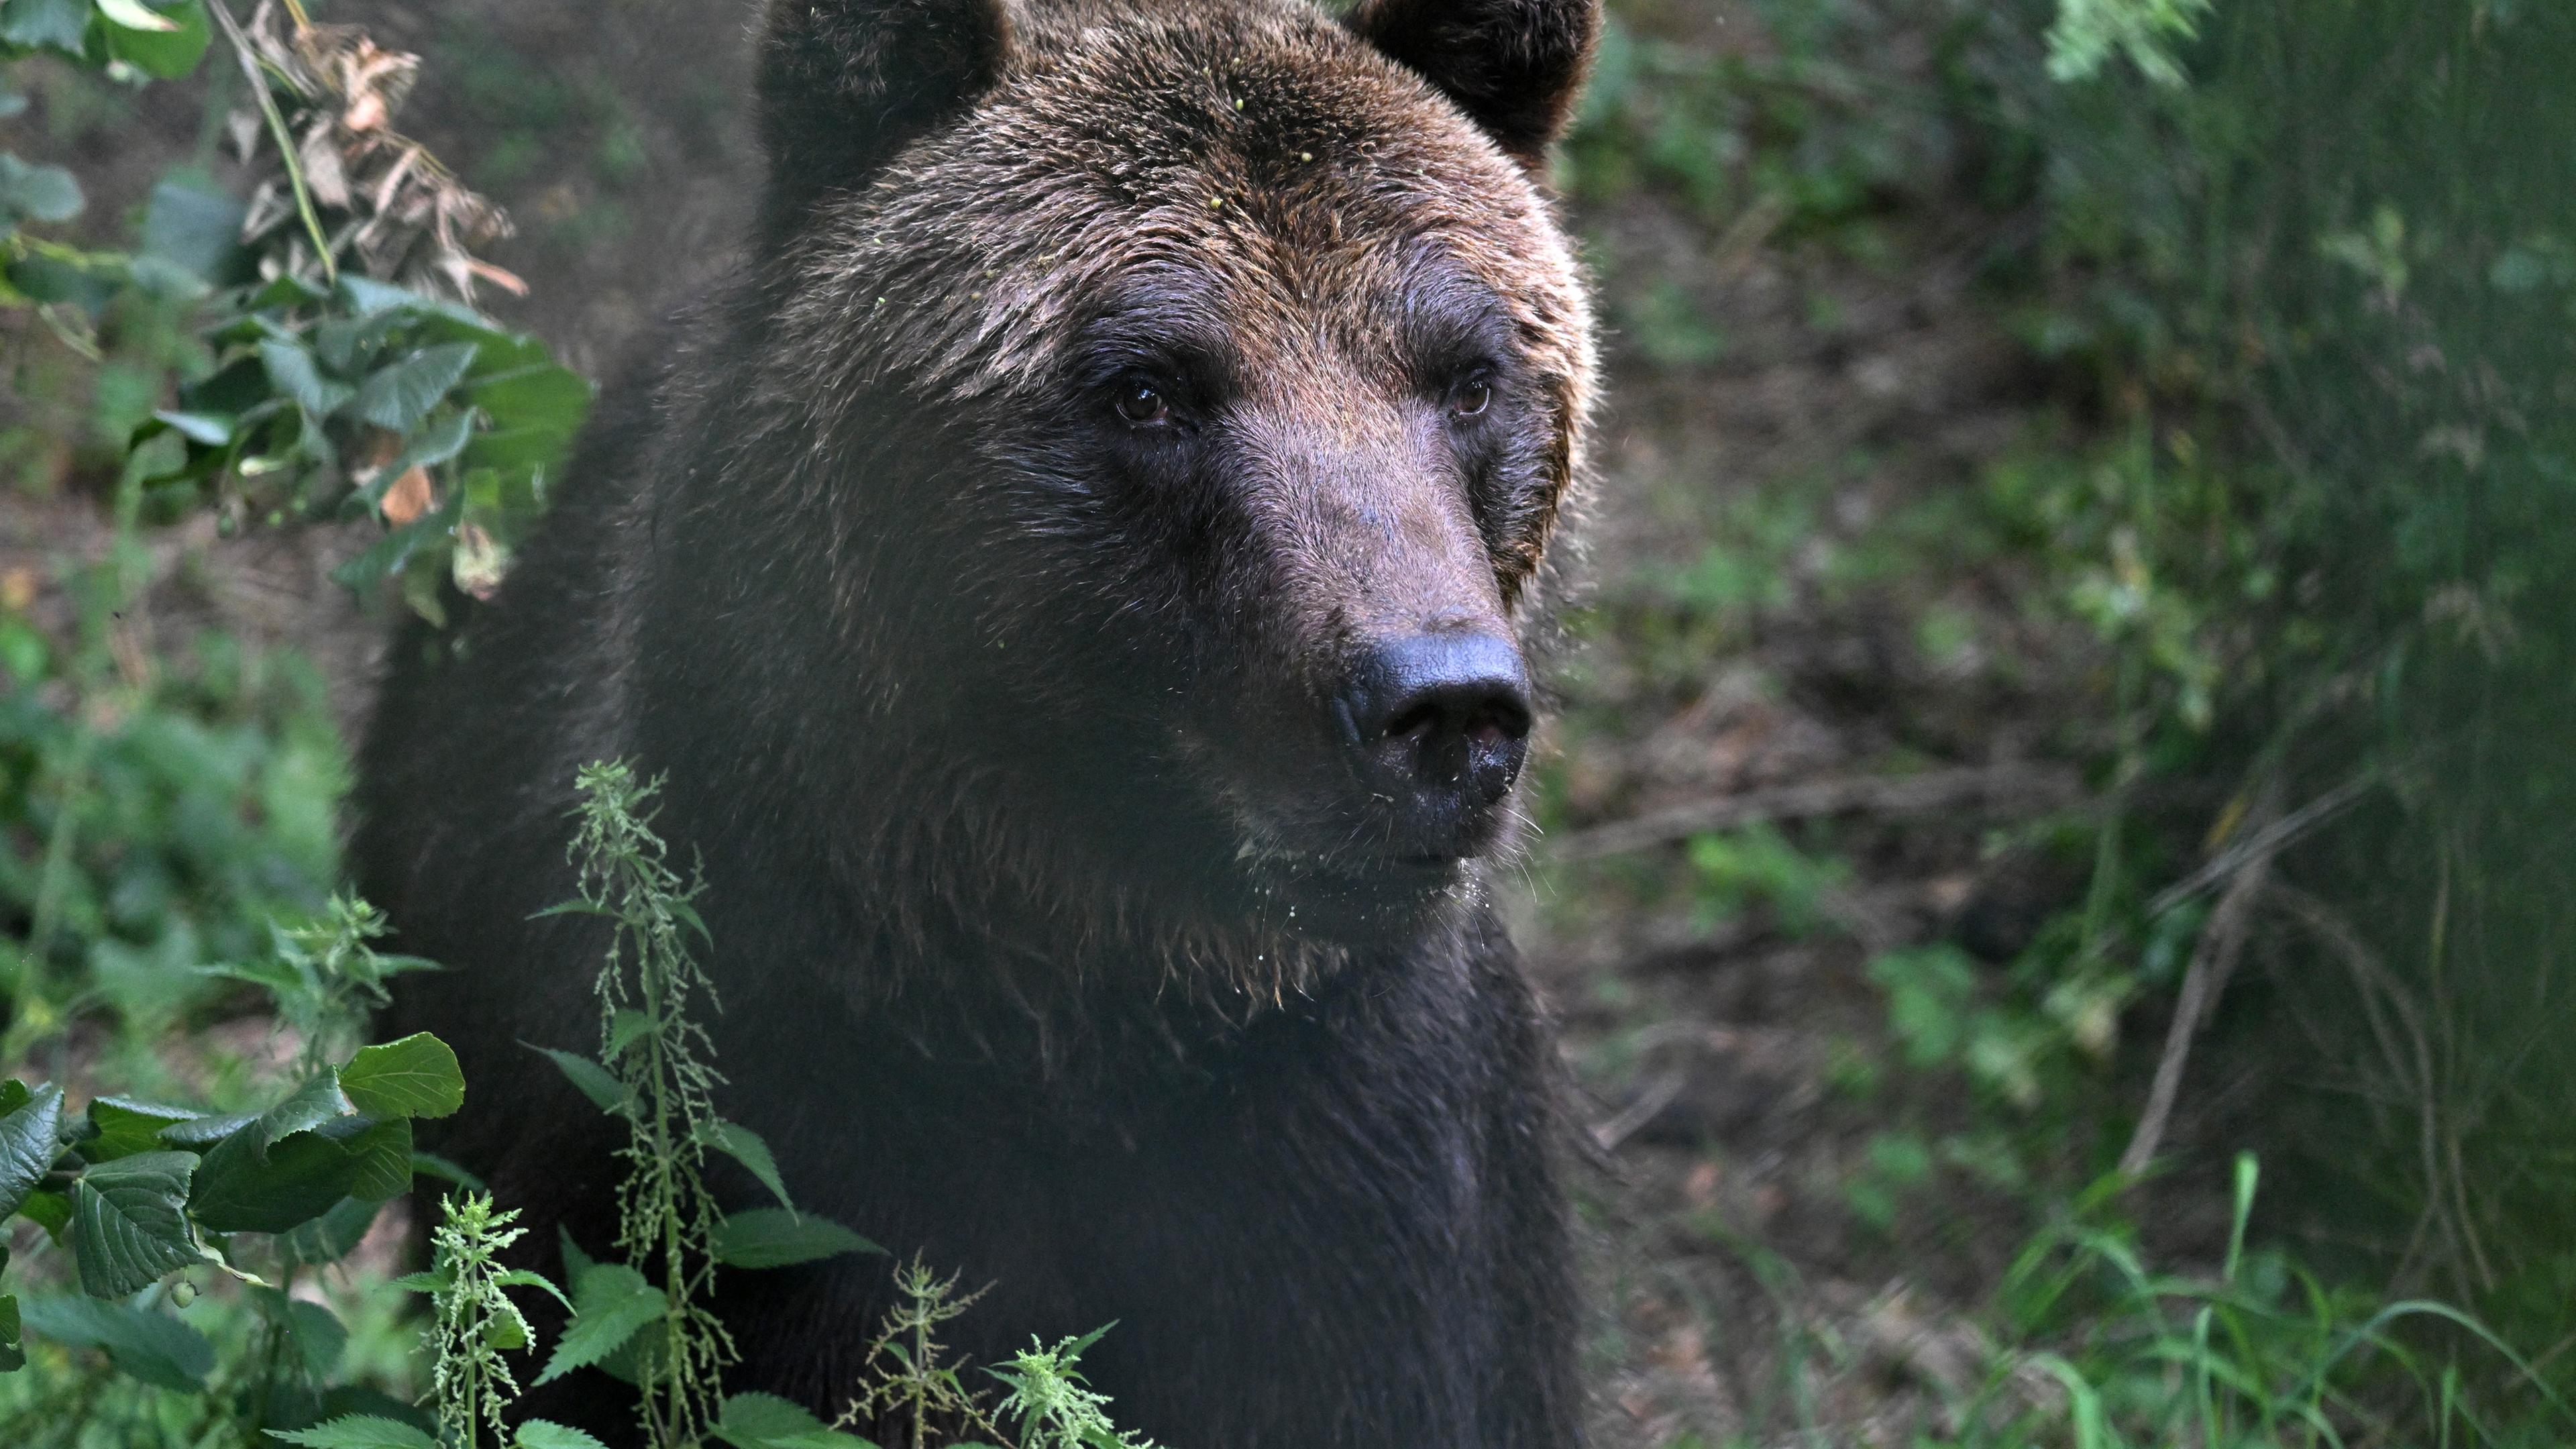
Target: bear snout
pixel 1437 725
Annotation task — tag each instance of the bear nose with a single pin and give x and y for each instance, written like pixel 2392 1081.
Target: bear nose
pixel 1446 712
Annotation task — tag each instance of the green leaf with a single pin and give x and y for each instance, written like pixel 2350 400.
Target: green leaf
pixel 357 1431
pixel 330 1237
pixel 744 1146
pixel 318 1101
pixel 247 1185
pixel 154 1347
pixel 208 428
pixel 130 1224
pixel 61 24
pixel 30 1140
pixel 546 1434
pixel 51 1211
pixel 396 397
pixel 383 1154
pixel 198 1134
pixel 771 1238
pixel 595 1081
pixel 293 371
pixel 196 226
pixel 36 193
pixel 414 1077
pixel 13 1348
pixel 436 443
pixel 166 43
pixel 611 1301
pixel 126 1127
pixel 625 1029
pixel 439 1167
pixel 766 1421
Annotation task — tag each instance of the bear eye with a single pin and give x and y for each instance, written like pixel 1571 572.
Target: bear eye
pixel 1471 395
pixel 1140 404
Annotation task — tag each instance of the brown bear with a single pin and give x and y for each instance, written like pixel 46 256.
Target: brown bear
pixel 1077 580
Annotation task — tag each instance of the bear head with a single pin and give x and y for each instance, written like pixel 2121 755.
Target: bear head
pixel 1185 394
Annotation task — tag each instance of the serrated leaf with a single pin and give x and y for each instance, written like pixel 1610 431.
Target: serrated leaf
pixel 626 1028
pixel 524 1278
pixel 771 1238
pixel 201 1133
pixel 546 1434
pixel 414 1077
pixel 744 1146
pixel 295 372
pixel 398 395
pixel 30 1140
pixel 126 1127
pixel 766 1421
pixel 611 1301
pixel 595 1081
pixel 154 1347
pixel 318 1101
pixel 130 1224
pixel 357 1431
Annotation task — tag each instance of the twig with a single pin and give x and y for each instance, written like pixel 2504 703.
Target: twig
pixel 278 133
pixel 2020 786
pixel 2268 841
pixel 2222 941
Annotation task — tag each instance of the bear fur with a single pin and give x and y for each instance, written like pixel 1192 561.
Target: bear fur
pixel 1054 942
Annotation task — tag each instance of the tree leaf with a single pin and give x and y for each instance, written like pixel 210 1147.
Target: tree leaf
pixel 383 1154
pixel 196 226
pixel 246 1185
pixel 130 1223
pixel 318 1101
pixel 771 1238
pixel 134 15
pixel 744 1146
pixel 357 1431
pixel 546 1434
pixel 126 1127
pixel 36 193
pixel 414 1077
pixel 151 1346
pixel 611 1301
pixel 397 396
pixel 163 43
pixel 330 1237
pixel 439 1167
pixel 30 1140
pixel 61 24
pixel 595 1081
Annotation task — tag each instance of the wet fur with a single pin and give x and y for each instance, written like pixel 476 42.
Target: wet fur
pixel 999 750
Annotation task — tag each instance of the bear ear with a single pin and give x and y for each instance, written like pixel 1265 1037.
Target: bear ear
pixel 844 84
pixel 1514 66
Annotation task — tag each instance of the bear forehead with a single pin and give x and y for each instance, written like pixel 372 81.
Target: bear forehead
pixel 1251 167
